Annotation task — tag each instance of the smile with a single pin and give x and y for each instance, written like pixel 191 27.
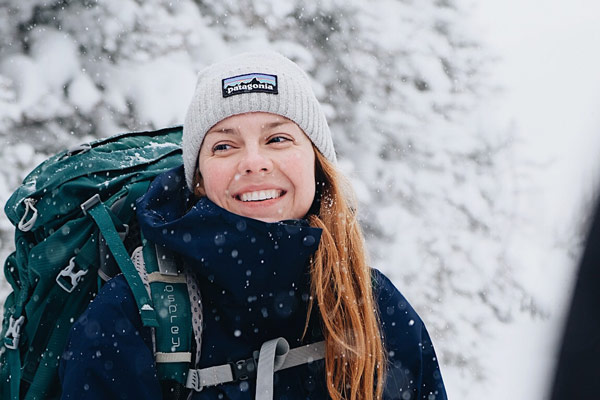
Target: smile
pixel 260 195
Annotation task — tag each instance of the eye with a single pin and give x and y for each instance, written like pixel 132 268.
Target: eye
pixel 278 139
pixel 221 147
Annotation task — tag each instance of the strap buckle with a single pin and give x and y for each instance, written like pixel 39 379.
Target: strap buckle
pixel 274 355
pixel 90 203
pixel 13 333
pixel 243 370
pixel 24 224
pixel 79 149
pixel 74 277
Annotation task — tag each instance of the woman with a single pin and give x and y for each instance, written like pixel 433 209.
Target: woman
pixel 263 219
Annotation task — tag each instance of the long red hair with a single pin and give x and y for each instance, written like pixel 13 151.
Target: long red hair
pixel 342 287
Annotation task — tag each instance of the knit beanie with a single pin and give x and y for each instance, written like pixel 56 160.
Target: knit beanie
pixel 252 82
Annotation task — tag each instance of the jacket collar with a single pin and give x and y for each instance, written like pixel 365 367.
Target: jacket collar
pixel 250 270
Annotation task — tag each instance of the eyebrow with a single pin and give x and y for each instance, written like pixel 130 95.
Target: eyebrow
pixel 275 124
pixel 270 125
pixel 222 130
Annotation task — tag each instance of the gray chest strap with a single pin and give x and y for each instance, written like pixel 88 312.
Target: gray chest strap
pixel 274 355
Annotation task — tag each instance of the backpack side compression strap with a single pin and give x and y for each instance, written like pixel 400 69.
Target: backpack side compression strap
pixel 100 214
pixel 14 363
pixel 274 355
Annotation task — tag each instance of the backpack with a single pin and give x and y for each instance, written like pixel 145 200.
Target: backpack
pixel 67 212
pixel 76 228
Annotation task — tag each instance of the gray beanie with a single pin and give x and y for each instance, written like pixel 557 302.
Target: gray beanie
pixel 252 82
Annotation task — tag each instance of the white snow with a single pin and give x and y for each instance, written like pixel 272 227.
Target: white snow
pixel 25 78
pixel 549 71
pixel 55 53
pixel 160 89
pixel 83 93
pixel 473 173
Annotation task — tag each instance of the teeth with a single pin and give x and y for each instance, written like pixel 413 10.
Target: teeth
pixel 260 195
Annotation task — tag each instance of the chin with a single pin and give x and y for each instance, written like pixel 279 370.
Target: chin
pixel 269 214
pixel 266 219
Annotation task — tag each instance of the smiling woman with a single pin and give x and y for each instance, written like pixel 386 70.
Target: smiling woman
pixel 268 233
pixel 258 165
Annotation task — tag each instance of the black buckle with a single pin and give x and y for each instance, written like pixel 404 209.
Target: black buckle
pixel 243 369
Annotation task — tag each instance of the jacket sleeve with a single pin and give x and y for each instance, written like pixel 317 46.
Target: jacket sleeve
pixel 108 353
pixel 412 371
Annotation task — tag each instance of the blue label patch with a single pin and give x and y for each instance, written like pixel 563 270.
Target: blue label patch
pixel 249 83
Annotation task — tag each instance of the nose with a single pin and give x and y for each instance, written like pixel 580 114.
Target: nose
pixel 255 160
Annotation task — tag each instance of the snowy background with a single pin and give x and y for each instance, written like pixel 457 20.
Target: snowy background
pixel 469 130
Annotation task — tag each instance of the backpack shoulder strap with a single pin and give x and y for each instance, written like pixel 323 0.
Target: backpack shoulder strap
pixel 274 355
pixel 173 294
pixel 102 217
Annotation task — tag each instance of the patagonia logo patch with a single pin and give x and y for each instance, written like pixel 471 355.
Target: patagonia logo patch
pixel 248 83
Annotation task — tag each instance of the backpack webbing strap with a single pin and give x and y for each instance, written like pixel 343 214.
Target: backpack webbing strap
pixel 274 355
pixel 98 211
pixel 300 355
pixel 128 206
pixel 14 365
pixel 158 277
pixel 179 357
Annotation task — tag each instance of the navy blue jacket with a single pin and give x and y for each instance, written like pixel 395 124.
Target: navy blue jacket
pixel 255 286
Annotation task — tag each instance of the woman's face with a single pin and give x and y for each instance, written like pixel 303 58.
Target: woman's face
pixel 259 165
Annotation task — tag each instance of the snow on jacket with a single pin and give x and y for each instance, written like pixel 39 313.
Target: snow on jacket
pixel 255 286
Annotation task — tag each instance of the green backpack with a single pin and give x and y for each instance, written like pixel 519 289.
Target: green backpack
pixel 67 212
pixel 76 227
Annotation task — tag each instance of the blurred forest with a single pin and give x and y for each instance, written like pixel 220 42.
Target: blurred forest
pixel 402 83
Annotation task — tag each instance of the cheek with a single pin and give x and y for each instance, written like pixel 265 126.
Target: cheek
pixel 310 186
pixel 215 181
pixel 305 193
pixel 300 168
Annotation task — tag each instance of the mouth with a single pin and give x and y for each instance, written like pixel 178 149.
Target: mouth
pixel 260 195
